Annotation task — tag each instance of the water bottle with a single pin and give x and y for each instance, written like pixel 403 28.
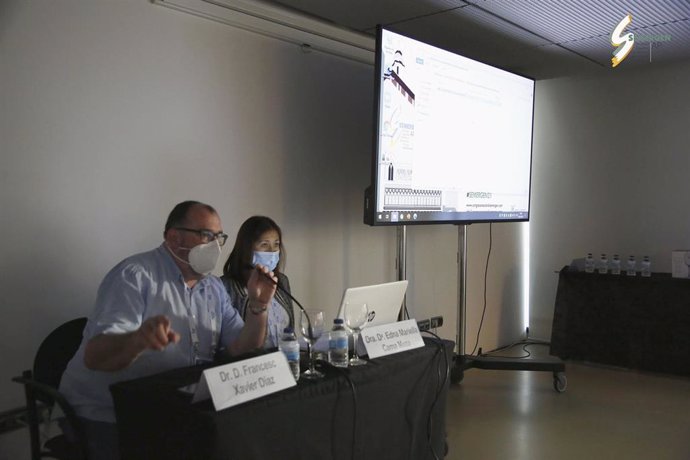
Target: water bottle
pixel 589 263
pixel 615 265
pixel 290 347
pixel 337 344
pixel 603 264
pixel 646 267
pixel 630 267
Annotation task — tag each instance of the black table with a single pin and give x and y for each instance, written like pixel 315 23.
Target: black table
pixel 632 322
pixel 399 400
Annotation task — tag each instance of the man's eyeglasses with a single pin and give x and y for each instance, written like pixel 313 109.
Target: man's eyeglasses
pixel 207 235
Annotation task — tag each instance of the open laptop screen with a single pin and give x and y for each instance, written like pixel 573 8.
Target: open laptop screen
pixel 383 300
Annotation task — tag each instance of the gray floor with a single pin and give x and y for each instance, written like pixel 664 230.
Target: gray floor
pixel 603 414
pixel 606 414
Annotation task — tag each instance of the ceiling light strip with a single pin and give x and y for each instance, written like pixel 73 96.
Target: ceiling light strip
pixel 271 21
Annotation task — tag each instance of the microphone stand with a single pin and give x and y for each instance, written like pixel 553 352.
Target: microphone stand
pixel 312 373
pixel 287 293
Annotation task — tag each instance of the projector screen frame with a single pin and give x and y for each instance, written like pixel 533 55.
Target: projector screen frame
pixel 372 199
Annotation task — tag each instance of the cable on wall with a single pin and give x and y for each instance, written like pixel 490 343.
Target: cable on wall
pixel 486 271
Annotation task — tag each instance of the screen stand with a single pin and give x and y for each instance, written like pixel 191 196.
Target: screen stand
pixel 464 361
pixel 401 264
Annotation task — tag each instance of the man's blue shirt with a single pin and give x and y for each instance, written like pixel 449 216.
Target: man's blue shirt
pixel 140 287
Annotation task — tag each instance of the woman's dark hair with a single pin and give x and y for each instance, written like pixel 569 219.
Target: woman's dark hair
pixel 243 252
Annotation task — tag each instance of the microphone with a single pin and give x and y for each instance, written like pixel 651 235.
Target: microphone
pixel 286 292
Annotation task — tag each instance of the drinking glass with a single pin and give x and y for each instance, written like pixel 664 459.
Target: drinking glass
pixel 311 322
pixel 355 318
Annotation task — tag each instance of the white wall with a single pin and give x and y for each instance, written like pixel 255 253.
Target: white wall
pixel 114 111
pixel 611 172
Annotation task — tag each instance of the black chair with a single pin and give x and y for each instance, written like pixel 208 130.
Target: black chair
pixel 41 389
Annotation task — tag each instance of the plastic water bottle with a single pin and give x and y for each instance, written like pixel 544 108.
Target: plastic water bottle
pixel 603 264
pixel 337 344
pixel 615 265
pixel 646 267
pixel 630 266
pixel 290 347
pixel 589 263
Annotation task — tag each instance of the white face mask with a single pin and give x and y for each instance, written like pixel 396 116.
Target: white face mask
pixel 202 257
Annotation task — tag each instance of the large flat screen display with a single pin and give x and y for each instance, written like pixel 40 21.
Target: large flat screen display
pixel 453 138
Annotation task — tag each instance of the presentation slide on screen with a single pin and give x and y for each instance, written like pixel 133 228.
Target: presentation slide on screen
pixel 455 135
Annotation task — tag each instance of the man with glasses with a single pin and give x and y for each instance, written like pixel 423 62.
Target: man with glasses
pixel 157 311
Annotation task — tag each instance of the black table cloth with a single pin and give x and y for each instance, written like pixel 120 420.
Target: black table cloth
pixel 397 411
pixel 627 321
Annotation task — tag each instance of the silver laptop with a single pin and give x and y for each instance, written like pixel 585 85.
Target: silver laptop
pixel 384 301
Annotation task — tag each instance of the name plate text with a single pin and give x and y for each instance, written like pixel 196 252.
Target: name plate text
pixel 391 338
pixel 242 381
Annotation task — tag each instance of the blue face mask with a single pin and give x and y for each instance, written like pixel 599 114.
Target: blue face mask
pixel 267 259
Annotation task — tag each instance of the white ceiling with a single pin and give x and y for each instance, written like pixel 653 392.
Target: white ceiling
pixel 538 38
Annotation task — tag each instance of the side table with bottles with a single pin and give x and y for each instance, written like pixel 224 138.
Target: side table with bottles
pixel 636 322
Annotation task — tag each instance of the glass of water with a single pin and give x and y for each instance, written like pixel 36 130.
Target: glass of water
pixel 355 318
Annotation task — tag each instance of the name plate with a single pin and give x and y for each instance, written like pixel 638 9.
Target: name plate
pixel 242 381
pixel 388 339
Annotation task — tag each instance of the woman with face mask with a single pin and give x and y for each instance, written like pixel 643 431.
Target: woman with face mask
pixel 259 240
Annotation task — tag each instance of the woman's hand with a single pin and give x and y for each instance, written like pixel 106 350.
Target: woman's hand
pixel 261 287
